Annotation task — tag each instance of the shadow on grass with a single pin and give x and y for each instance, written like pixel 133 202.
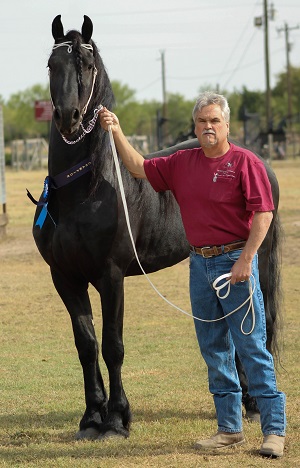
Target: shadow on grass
pixel 105 451
pixel 55 420
pixel 153 415
pixel 29 420
pixel 31 438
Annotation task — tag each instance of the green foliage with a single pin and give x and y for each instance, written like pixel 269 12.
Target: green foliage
pixel 280 92
pixel 135 117
pixel 179 115
pixel 19 120
pixel 252 102
pixel 140 117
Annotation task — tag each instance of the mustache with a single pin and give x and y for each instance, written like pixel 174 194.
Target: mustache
pixel 208 132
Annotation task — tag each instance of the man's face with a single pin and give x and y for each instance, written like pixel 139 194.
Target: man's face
pixel 210 126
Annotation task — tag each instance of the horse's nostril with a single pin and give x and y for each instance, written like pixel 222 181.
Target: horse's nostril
pixel 76 114
pixel 57 114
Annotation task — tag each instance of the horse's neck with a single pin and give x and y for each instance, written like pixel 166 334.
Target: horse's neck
pixel 63 156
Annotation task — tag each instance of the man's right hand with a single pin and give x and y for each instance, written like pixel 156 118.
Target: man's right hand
pixel 108 118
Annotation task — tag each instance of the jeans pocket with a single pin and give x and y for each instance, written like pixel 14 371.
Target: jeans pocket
pixel 234 255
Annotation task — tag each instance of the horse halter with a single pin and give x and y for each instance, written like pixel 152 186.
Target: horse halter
pixel 93 121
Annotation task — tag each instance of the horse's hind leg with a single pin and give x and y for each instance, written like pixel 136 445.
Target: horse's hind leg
pixel 111 288
pixel 76 300
pixel 250 405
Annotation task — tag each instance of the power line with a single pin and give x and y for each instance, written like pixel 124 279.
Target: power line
pixel 171 10
pixel 248 65
pixel 244 31
pixel 240 60
pixel 149 85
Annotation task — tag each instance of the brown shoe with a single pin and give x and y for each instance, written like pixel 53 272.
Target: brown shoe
pixel 272 446
pixel 221 440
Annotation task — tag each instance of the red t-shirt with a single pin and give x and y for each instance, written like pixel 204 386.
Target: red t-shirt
pixel 217 196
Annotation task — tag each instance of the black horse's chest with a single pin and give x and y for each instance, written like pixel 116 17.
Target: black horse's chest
pixel 79 235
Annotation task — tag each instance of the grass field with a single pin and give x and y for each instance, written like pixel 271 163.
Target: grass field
pixel 41 385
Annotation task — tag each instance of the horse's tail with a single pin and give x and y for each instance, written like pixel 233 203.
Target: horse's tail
pixel 274 303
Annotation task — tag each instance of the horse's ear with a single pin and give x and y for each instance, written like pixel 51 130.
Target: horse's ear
pixel 87 29
pixel 57 28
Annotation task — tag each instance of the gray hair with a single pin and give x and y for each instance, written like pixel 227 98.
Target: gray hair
pixel 209 97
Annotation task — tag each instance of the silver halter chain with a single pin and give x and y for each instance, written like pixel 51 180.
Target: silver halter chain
pixel 89 128
pixel 93 121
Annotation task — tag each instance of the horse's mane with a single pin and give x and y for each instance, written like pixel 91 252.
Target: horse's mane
pixel 100 148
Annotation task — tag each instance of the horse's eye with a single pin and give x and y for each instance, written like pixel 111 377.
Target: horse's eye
pixel 90 67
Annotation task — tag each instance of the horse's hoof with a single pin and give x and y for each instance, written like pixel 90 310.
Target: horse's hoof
pixel 91 433
pixel 113 434
pixel 252 416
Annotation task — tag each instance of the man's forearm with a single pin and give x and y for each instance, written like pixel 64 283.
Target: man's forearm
pixel 260 225
pixel 132 160
pixel 241 270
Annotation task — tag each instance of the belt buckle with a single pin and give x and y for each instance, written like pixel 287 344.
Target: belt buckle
pixel 203 254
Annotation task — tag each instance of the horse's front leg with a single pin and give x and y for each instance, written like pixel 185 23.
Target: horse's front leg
pixel 76 300
pixel 111 288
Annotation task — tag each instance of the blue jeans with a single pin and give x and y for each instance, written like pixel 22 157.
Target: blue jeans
pixel 220 340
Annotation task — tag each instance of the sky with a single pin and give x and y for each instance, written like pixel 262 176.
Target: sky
pixel 205 44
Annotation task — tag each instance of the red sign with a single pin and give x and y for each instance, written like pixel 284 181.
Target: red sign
pixel 43 111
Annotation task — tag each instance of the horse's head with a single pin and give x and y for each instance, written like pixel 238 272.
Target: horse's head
pixel 72 73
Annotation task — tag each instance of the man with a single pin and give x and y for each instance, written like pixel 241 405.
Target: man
pixel 226 206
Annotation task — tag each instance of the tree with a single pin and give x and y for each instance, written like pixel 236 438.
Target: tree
pixel 140 118
pixel 19 120
pixel 179 116
pixel 280 93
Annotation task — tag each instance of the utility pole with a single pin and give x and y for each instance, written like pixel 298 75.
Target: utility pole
pixel 267 65
pixel 288 47
pixel 164 96
pixel 259 21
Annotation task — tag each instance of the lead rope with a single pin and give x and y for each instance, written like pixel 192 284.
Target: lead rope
pixel 220 278
pixel 227 283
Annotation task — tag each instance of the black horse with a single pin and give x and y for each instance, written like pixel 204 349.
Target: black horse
pixel 80 228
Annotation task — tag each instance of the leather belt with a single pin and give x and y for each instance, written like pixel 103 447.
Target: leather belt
pixel 213 251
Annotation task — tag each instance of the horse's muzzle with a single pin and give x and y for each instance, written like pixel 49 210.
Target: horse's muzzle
pixel 67 120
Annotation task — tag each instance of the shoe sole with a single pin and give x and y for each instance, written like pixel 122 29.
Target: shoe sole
pixel 201 447
pixel 265 453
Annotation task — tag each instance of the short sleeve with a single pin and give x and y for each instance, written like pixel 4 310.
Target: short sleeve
pixel 159 173
pixel 257 187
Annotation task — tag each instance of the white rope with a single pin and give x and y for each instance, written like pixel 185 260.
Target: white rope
pixel 217 288
pixel 227 284
pixel 92 122
pixel 64 44
pixel 69 44
pixel 95 72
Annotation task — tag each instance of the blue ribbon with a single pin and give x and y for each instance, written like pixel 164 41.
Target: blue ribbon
pixel 42 216
pixel 43 202
pixel 56 182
